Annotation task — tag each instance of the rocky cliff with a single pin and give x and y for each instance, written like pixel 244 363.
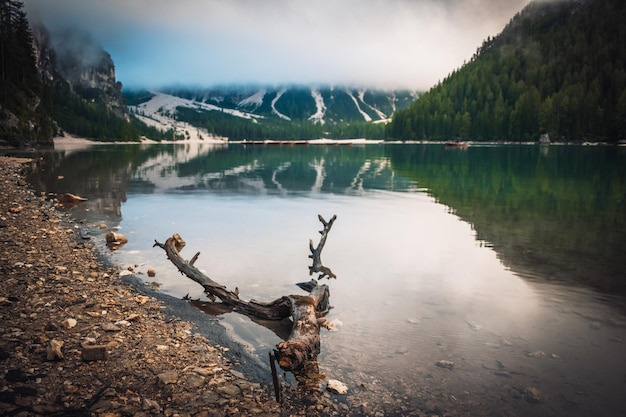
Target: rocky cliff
pixel 74 58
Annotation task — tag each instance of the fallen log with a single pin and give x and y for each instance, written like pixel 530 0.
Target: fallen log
pixel 306 312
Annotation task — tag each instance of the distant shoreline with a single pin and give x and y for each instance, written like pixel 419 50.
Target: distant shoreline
pixel 65 142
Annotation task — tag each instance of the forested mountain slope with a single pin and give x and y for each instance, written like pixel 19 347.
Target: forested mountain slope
pixel 558 67
pixel 279 112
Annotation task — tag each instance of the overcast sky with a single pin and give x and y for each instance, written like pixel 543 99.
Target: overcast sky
pixel 382 43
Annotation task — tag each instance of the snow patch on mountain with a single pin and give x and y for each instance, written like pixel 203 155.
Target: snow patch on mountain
pixel 160 112
pixel 356 103
pixel 379 113
pixel 275 100
pixel 318 116
pixel 255 100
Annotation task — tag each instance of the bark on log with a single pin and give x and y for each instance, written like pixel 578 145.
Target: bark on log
pixel 303 344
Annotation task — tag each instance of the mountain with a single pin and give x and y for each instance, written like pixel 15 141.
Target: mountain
pixel 74 58
pixel 322 105
pixel 263 112
pixel 557 68
pixel 81 92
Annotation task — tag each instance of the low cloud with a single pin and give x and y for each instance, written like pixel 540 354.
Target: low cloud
pixel 392 43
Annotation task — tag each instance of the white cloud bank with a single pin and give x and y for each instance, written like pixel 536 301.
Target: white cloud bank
pixel 388 43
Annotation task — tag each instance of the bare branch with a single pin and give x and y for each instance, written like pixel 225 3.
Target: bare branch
pixel 276 310
pixel 316 253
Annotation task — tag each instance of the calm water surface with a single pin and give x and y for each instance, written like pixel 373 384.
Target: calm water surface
pixel 508 261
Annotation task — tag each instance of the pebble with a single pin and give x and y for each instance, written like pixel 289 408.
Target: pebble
pixel 54 351
pixel 69 323
pixel 336 387
pixel 109 327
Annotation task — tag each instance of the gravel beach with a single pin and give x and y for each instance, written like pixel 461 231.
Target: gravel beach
pixel 76 339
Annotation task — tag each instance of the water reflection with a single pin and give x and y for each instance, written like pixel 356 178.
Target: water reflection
pixel 558 214
pixel 467 257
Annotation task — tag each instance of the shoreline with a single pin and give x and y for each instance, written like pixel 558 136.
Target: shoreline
pixel 72 142
pixel 78 338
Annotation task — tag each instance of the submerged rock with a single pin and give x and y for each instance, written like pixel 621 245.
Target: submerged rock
pixel 532 395
pixel 115 240
pixel 70 198
pixel 445 364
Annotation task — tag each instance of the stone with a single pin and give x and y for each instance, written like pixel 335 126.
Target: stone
pixel 109 327
pixel 150 405
pixel 168 377
pixel 94 353
pixel 133 317
pixel 151 273
pixel 204 372
pixel 115 240
pixel 209 397
pixel 69 323
pixel 336 387
pixel 54 351
pixel 229 390
pixel 193 380
pixel 532 395
pixel 445 364
pixel 237 374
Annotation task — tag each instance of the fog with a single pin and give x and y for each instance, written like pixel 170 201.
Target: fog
pixel 382 43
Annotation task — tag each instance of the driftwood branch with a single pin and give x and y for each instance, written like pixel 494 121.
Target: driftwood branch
pixel 301 347
pixel 275 310
pixel 316 253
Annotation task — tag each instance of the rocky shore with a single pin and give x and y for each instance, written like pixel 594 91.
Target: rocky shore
pixel 78 340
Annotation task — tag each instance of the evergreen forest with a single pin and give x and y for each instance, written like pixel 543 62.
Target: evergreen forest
pixel 237 128
pixel 21 117
pixel 558 68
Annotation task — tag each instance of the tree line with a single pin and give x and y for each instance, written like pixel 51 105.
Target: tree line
pixel 20 85
pixel 236 128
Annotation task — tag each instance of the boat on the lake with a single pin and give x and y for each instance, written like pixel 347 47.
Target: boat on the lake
pixel 457 144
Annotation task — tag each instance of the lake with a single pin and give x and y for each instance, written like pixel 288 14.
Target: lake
pixel 505 262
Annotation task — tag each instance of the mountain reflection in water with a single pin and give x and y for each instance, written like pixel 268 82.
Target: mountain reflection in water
pixel 505 261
